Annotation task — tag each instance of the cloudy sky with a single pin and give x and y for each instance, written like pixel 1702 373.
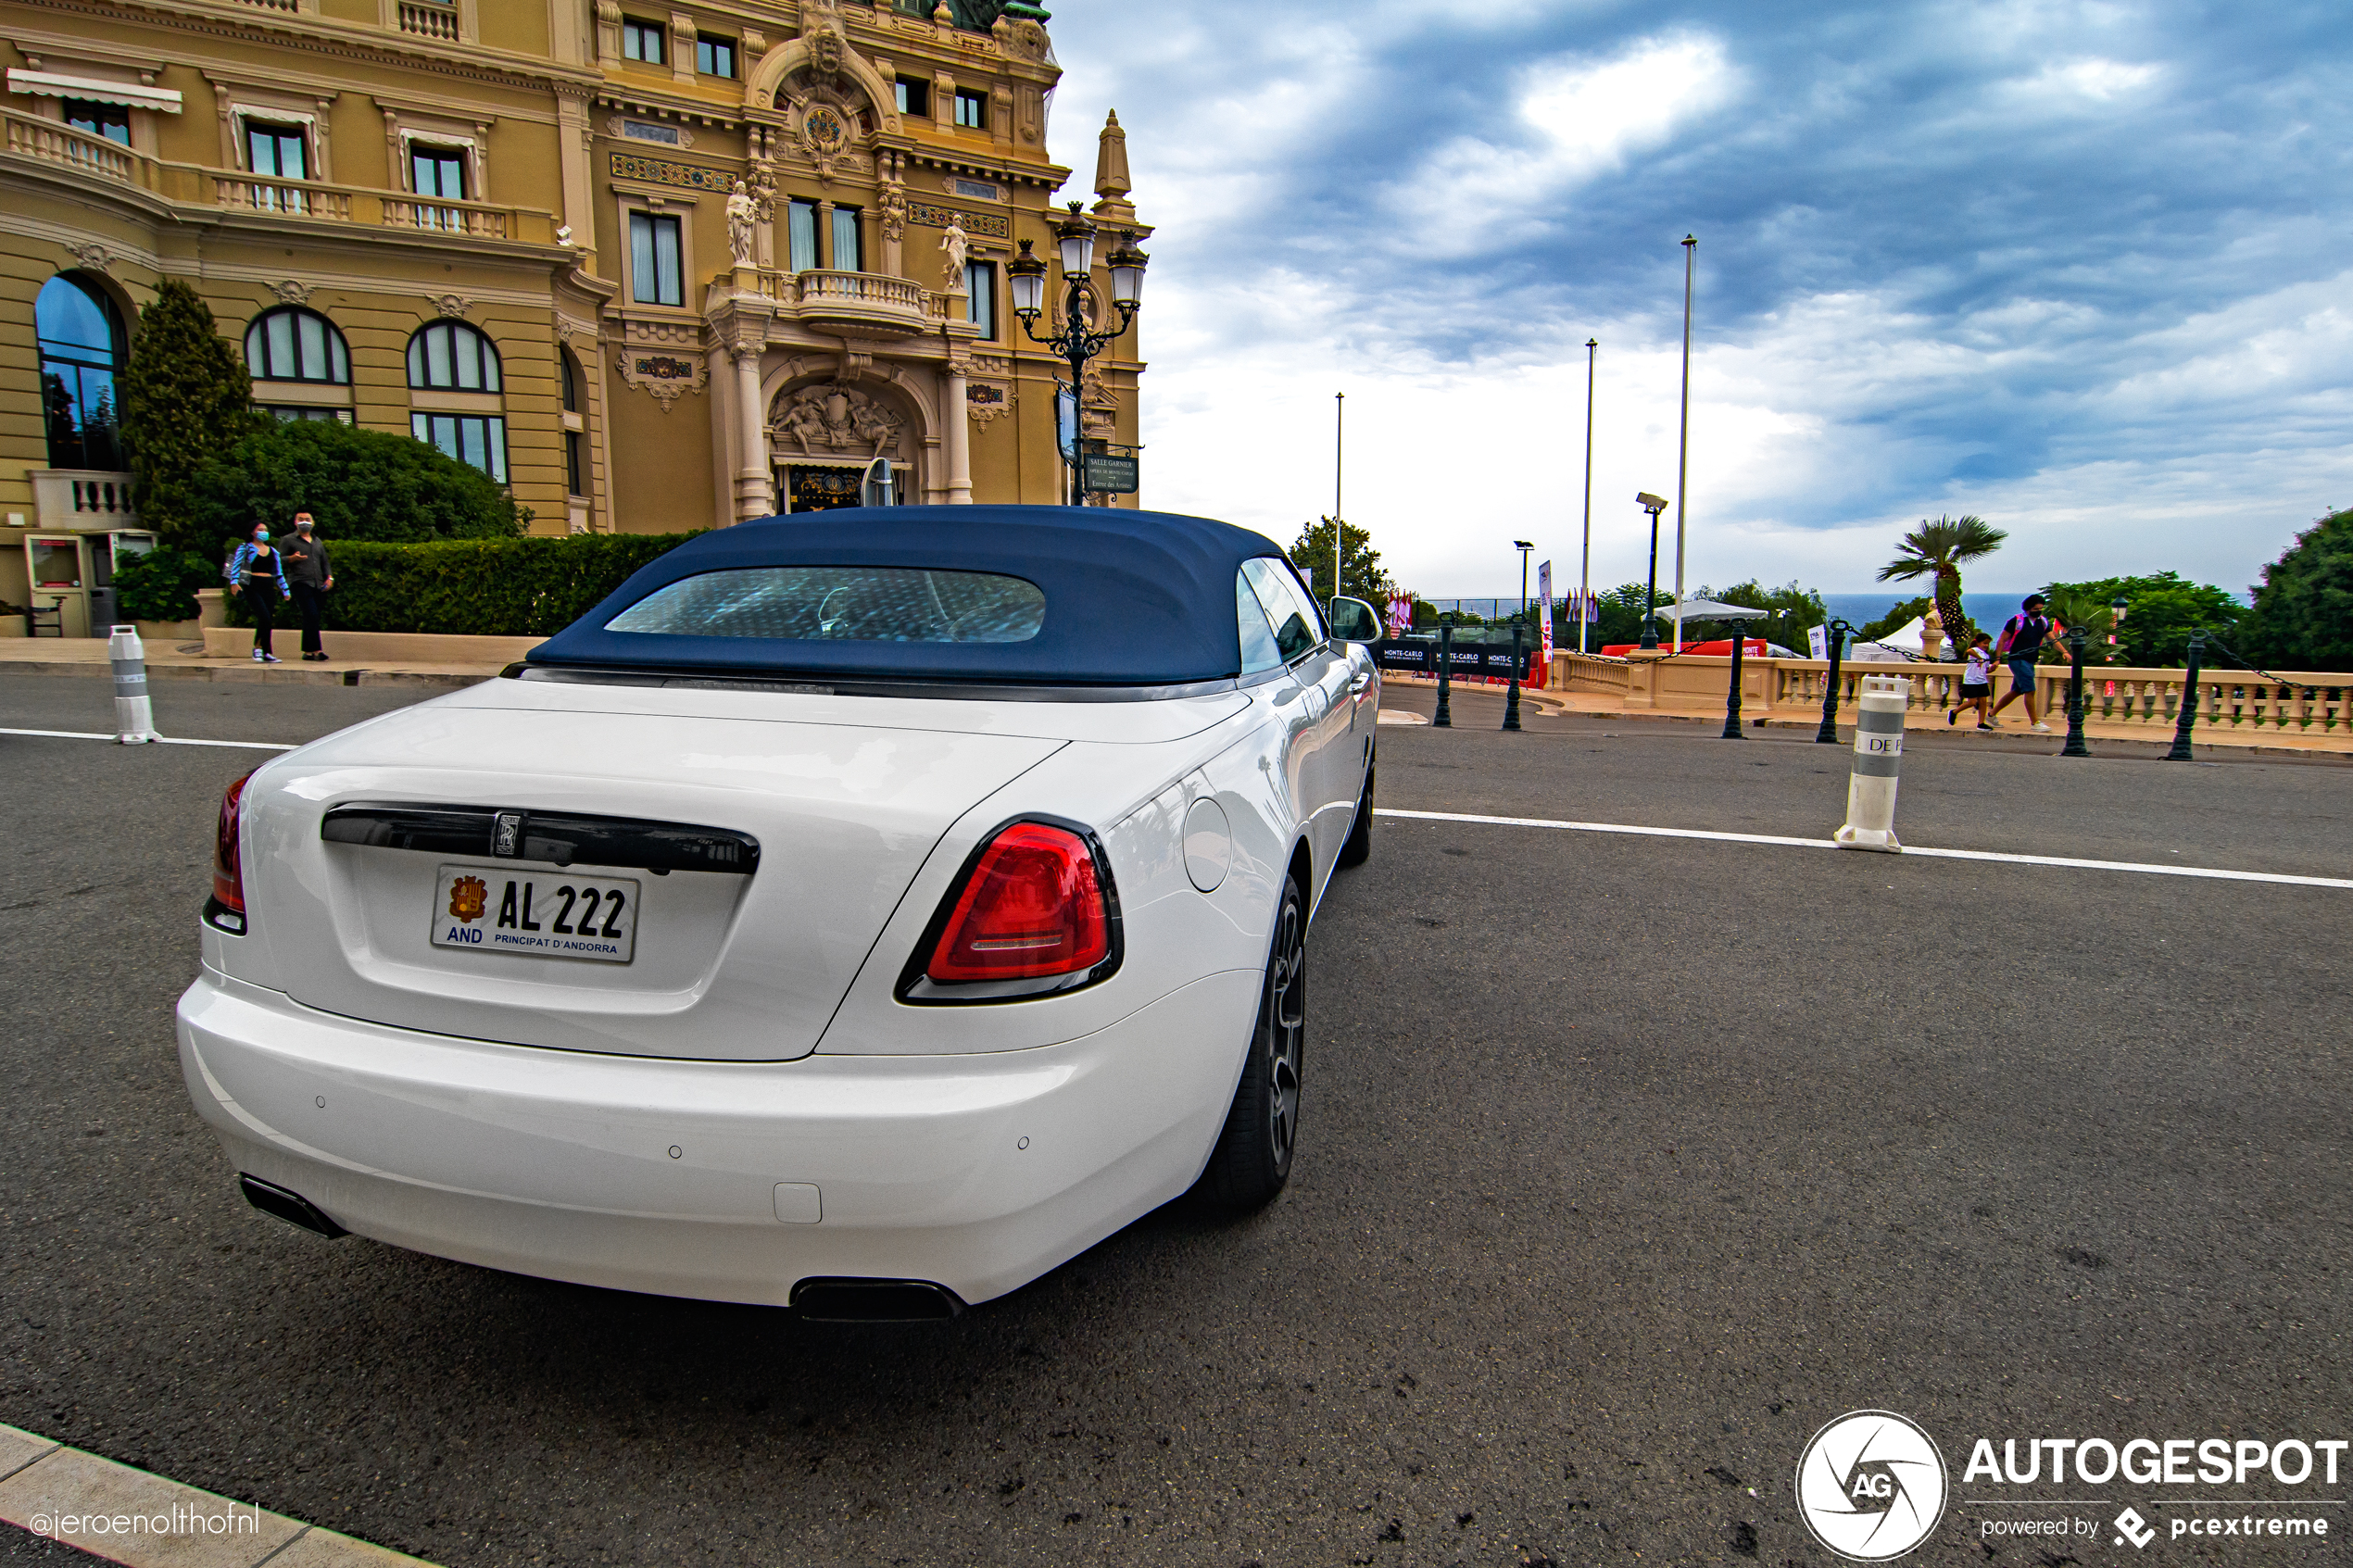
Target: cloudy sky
pixel 2078 268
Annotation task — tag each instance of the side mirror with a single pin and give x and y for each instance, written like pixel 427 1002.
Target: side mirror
pixel 1354 620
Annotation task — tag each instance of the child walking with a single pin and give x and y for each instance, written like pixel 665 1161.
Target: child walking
pixel 1977 681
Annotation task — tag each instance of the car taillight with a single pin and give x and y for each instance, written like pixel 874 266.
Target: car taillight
pixel 1033 906
pixel 228 868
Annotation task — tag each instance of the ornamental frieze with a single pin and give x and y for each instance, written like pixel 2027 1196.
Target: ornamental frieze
pixel 996 226
pixel 661 172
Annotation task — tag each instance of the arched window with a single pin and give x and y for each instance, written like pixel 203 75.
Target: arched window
pixel 292 344
pixel 572 380
pixel 452 357
pixel 81 354
pixel 575 426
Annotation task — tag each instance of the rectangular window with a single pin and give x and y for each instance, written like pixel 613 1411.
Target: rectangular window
pixel 474 439
pixel 980 286
pixel 276 151
pixel 438 171
pixel 800 229
pixel 715 56
pixel 656 275
pixel 574 468
pixel 110 120
pixel 914 96
pixel 641 41
pixel 849 254
pixel 971 109
pixel 291 412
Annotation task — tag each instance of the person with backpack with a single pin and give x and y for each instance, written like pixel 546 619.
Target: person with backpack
pixel 2022 638
pixel 258 573
pixel 310 575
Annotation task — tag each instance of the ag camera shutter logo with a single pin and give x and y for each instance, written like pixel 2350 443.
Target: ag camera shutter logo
pixel 1870 1485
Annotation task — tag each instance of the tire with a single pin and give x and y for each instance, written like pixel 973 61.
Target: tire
pixel 1253 1158
pixel 1359 847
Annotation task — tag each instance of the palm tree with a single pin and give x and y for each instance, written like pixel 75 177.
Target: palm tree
pixel 1939 548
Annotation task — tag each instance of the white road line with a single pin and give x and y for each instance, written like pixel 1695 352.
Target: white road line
pixel 159 740
pixel 2211 872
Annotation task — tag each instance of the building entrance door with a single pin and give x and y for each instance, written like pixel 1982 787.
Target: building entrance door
pixel 823 487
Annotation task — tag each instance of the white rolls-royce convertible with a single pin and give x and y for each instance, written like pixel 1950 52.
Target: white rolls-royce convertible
pixel 864 911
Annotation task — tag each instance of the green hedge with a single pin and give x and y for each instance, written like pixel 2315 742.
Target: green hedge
pixel 477 587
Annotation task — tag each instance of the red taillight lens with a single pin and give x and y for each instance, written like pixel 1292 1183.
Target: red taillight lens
pixel 1033 906
pixel 228 870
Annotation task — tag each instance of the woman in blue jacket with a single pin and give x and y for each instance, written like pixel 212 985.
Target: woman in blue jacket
pixel 260 573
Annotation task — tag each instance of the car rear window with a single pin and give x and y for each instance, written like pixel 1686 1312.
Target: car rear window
pixel 842 604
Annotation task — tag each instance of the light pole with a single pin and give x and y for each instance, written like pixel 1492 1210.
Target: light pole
pixel 1585 570
pixel 1523 547
pixel 2117 607
pixel 1074 245
pixel 1652 505
pixel 1339 413
pixel 1683 447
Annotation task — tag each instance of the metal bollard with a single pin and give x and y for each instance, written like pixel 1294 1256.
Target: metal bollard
pixel 1732 698
pixel 1828 734
pixel 1511 699
pixel 2187 715
pixel 1445 717
pixel 1879 747
pixel 134 716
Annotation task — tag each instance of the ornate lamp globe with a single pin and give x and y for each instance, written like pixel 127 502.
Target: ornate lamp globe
pixel 1127 266
pixel 1026 275
pixel 1076 236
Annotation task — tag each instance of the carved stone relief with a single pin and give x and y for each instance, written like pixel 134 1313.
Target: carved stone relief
pixel 987 403
pixel 825 420
pixel 293 293
pixel 452 304
pixel 95 257
pixel 664 359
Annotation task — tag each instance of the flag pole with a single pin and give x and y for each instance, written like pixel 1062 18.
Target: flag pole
pixel 1683 446
pixel 1340 417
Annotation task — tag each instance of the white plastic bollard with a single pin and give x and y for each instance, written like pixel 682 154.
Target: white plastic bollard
pixel 1879 747
pixel 134 716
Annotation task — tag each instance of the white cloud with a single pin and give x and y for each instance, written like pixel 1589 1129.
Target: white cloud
pixel 1576 118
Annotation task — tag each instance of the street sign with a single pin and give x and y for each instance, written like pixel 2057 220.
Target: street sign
pixel 1107 471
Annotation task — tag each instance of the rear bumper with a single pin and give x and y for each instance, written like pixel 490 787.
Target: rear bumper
pixel 979 1172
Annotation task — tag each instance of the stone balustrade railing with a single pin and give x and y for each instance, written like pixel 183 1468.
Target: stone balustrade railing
pixel 2298 699
pixel 95 157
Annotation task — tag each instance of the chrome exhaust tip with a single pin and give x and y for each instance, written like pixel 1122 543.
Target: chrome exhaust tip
pixel 291 1207
pixel 875 1300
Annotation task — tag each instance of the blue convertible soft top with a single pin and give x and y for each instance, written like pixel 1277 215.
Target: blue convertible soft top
pixel 1131 598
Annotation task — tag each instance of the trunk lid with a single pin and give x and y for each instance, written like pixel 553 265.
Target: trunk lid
pixel 720 964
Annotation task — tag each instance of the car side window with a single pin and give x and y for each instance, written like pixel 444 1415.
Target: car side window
pixel 1260 653
pixel 1298 629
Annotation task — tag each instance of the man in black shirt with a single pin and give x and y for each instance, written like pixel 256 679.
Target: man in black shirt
pixel 2021 640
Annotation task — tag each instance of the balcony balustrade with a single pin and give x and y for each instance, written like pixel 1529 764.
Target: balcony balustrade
pixel 860 304
pixel 103 162
pixel 428 20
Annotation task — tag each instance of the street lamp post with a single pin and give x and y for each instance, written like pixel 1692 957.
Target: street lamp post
pixel 1523 547
pixel 1585 568
pixel 1652 505
pixel 1340 416
pixel 1836 631
pixel 1683 444
pixel 1074 245
pixel 2117 607
pixel 2186 715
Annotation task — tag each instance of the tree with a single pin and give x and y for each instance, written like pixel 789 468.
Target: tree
pixel 360 485
pixel 1938 549
pixel 2303 614
pixel 186 398
pixel 2161 614
pixel 1361 576
pixel 1792 611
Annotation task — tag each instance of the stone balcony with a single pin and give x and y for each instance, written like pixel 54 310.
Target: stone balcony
pixel 101 164
pixel 863 304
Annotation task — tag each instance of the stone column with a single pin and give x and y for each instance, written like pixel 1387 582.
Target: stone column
pixel 958 430
pixel 752 496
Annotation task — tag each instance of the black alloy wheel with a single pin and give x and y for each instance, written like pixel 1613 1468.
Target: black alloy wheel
pixel 1252 1159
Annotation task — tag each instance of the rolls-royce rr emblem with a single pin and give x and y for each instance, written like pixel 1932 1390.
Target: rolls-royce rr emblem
pixel 506 840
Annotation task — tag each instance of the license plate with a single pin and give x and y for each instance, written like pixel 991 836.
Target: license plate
pixel 539 914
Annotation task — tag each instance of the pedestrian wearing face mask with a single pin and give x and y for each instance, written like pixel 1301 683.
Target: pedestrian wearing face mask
pixel 309 574
pixel 258 573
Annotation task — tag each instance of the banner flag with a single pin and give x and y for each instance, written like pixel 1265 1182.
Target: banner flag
pixel 1545 610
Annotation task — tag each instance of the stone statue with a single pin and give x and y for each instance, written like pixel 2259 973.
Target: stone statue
pixel 894 213
pixel 958 248
pixel 741 210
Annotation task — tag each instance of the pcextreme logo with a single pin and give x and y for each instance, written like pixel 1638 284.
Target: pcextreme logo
pixel 1870 1485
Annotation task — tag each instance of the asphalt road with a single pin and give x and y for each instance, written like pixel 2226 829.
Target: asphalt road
pixel 1626 1164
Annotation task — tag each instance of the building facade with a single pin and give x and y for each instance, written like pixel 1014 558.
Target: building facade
pixel 653 266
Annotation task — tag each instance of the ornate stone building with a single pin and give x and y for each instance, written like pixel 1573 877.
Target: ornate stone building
pixel 654 267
